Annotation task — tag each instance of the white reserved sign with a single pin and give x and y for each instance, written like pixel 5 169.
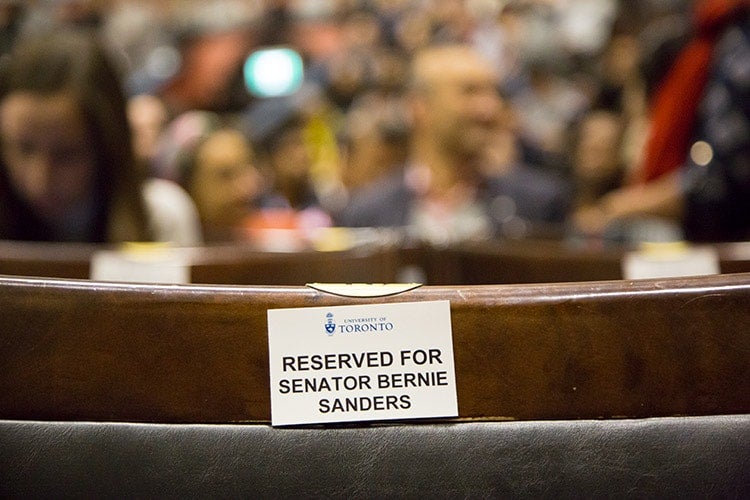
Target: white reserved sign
pixel 145 265
pixel 670 261
pixel 361 362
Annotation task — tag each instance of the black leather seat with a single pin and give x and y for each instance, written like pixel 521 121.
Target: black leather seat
pixel 667 457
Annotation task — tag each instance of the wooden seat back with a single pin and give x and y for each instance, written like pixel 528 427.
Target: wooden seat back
pixel 83 350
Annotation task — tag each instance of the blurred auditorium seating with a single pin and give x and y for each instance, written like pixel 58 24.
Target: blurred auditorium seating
pixel 56 260
pixel 385 261
pixel 483 263
pixel 238 265
pixel 543 261
pixel 228 264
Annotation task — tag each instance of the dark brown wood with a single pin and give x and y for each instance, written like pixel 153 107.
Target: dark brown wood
pixel 55 260
pixel 81 350
pixel 245 266
pixel 491 262
pixel 540 261
pixel 734 257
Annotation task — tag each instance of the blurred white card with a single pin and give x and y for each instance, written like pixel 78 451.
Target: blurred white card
pixel 141 264
pixel 670 260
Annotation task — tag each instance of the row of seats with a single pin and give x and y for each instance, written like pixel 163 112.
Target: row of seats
pixel 601 388
pixel 384 261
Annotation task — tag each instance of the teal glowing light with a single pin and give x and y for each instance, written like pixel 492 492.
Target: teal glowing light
pixel 273 72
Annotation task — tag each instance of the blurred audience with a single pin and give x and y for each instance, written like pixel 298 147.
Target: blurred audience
pixel 294 199
pixel 439 194
pixel 442 194
pixel 599 163
pixel 287 159
pixel 67 166
pixel 406 125
pixel 696 164
pixel 533 198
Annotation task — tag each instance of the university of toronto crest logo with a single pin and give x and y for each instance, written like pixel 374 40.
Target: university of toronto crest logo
pixel 330 325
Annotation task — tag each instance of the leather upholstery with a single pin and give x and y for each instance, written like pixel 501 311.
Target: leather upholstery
pixel 660 457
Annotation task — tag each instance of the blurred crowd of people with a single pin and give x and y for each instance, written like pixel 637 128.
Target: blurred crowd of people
pixel 588 120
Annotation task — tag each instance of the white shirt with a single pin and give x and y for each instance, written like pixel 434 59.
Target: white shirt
pixel 172 214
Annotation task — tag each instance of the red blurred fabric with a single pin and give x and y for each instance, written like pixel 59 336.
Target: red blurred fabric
pixel 676 101
pixel 208 64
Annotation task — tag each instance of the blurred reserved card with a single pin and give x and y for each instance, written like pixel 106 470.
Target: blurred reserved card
pixel 670 260
pixel 141 263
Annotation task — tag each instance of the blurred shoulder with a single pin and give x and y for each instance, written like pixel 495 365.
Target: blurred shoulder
pixel 384 203
pixel 171 212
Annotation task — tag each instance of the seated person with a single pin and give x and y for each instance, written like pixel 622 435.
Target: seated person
pixel 444 193
pixel 215 163
pixel 292 199
pixel 67 166
pixel 599 169
pixel 373 141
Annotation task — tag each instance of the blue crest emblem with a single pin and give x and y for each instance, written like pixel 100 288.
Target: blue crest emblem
pixel 330 325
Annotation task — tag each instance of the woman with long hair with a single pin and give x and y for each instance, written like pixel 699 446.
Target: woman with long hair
pixel 67 165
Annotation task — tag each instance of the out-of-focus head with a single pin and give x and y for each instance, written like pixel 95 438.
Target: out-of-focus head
pixel 455 98
pixel 288 153
pixel 224 180
pixel 215 163
pixel 65 134
pixel 47 156
pixel 373 140
pixel 597 154
pixel 175 149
